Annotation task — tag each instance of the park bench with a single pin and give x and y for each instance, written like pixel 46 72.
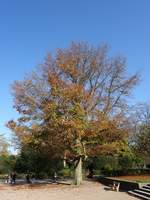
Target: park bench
pixel 115 186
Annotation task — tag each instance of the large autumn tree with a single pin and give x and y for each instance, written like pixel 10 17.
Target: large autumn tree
pixel 73 104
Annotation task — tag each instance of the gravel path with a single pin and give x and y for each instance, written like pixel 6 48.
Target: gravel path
pixel 87 191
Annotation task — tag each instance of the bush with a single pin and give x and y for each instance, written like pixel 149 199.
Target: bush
pixel 7 163
pixel 107 170
pixel 125 172
pixel 66 172
pixel 115 165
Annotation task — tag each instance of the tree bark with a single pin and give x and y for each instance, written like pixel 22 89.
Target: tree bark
pixel 64 163
pixel 78 172
pixel 64 160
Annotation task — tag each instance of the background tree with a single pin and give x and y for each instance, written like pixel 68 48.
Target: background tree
pixel 3 145
pixel 74 103
pixel 7 161
pixel 37 163
pixel 140 140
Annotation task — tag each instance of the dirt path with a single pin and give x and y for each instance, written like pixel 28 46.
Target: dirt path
pixel 87 191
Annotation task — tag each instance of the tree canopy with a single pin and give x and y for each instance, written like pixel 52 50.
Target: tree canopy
pixel 73 104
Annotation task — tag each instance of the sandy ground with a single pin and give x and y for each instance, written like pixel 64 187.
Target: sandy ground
pixel 87 191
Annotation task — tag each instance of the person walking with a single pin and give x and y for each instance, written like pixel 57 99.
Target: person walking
pixel 14 178
pixel 28 178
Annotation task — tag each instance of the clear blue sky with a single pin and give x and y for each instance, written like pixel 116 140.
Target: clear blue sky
pixel 31 28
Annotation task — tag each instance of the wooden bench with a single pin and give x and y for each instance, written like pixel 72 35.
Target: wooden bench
pixel 115 186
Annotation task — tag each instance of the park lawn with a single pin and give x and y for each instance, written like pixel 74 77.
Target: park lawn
pixel 136 178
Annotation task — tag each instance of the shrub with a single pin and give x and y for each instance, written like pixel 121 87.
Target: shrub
pixel 66 172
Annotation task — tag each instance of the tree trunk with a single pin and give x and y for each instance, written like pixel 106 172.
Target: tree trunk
pixel 64 161
pixel 78 172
